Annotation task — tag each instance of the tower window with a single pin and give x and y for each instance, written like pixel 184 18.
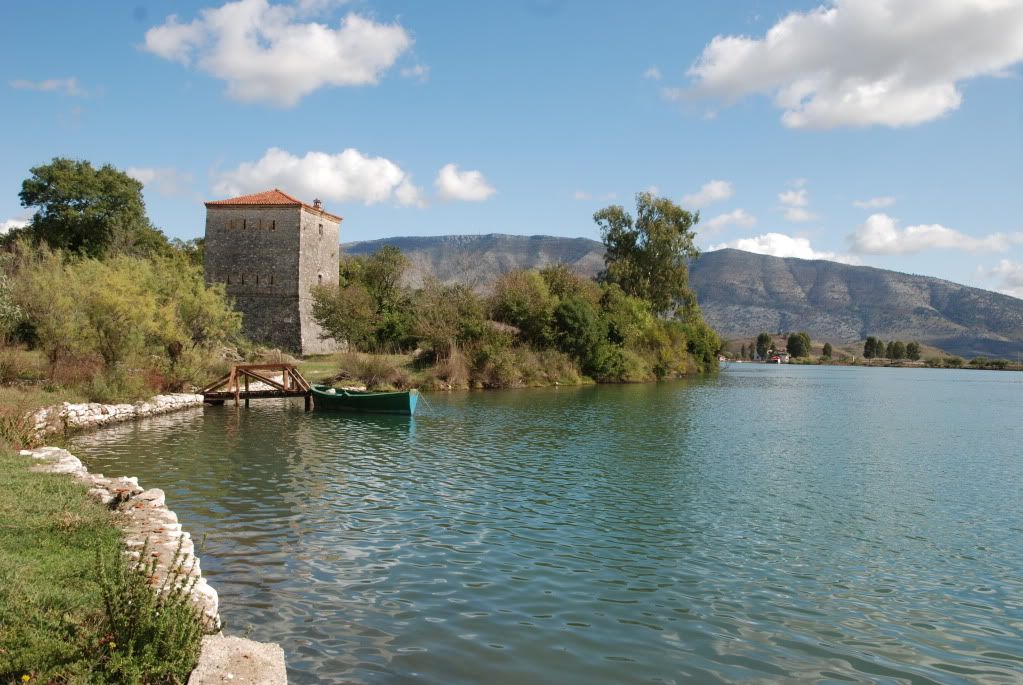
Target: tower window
pixel 271 279
pixel 229 280
pixel 245 224
pixel 257 279
pixel 321 229
pixel 273 224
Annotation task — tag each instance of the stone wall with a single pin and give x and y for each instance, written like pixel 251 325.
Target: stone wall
pixel 69 417
pixel 147 521
pixel 318 265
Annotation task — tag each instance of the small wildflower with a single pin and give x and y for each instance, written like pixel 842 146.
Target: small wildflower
pixel 113 645
pixel 25 678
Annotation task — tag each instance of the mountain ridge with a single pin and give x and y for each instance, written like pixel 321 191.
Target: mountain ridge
pixel 743 293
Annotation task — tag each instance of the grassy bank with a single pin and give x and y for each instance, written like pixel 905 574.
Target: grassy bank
pixel 71 608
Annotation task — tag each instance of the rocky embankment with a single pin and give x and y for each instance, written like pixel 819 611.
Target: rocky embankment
pixel 70 417
pixel 148 524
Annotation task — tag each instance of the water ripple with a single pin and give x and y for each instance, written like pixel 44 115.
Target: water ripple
pixel 772 524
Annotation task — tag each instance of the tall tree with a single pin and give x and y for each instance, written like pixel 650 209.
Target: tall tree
pixel 648 257
pixel 870 347
pixel 913 351
pixel 89 211
pixel 798 345
pixel 827 351
pixel 898 350
pixel 764 343
pixel 889 350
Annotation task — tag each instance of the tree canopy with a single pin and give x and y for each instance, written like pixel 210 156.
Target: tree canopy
pixel 798 344
pixel 88 211
pixel 648 257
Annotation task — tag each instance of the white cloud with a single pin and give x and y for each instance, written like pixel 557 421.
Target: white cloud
pixel 10 224
pixel 164 180
pixel 737 217
pixel 462 185
pixel 1009 275
pixel 581 195
pixel 794 198
pixel 653 73
pixel 782 245
pixel 865 62
pixel 710 192
pixel 266 54
pixel 347 176
pixel 65 86
pixel 794 203
pixel 419 72
pixel 875 202
pixel 880 235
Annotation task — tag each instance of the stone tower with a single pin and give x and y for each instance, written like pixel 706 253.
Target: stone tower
pixel 269 249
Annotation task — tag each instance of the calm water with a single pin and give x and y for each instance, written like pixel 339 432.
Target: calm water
pixel 771 524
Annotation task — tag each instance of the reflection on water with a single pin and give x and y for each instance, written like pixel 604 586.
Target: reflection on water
pixel 771 524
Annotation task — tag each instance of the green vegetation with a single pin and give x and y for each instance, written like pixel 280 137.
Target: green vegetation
pixel 115 311
pixel 763 344
pixel 798 344
pixel 827 351
pixel 640 322
pixel 72 609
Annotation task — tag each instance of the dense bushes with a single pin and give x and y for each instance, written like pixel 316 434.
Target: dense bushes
pixel 532 328
pixel 117 328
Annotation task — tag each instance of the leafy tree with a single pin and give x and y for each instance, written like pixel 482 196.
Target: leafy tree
pixel 447 315
pixel 827 351
pixel 648 257
pixel 798 344
pixel 870 347
pixel 522 299
pixel 889 351
pixel 579 332
pixel 89 211
pixel 563 282
pixel 742 352
pixel 764 343
pixel 345 313
pixel 899 350
pixel 913 351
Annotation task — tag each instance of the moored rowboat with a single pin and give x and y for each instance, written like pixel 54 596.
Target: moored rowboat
pixel 326 397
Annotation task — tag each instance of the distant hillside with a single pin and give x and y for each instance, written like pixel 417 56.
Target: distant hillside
pixel 742 293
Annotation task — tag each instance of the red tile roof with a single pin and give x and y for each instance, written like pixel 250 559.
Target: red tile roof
pixel 275 197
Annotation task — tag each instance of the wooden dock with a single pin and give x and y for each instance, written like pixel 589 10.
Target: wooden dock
pixel 259 381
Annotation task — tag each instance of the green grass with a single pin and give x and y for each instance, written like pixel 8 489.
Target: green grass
pixel 60 559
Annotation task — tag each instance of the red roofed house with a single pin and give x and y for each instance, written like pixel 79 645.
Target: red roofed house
pixel 269 249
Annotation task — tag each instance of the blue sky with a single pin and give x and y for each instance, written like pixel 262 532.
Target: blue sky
pixel 882 132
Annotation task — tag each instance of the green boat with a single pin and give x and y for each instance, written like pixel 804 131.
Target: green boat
pixel 334 399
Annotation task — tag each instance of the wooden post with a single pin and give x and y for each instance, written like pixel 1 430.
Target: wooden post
pixel 246 390
pixel 308 401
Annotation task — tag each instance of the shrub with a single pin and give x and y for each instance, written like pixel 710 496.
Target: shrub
pixel 522 299
pixel 578 331
pixel 153 633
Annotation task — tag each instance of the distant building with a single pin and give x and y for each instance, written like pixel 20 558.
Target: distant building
pixel 269 249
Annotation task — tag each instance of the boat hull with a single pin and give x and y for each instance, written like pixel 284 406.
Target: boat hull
pixel 402 403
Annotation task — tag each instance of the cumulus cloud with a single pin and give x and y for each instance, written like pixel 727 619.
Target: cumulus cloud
pixel 65 86
pixel 794 202
pixel 8 225
pixel 710 192
pixel 1008 275
pixel 865 62
pixel 653 74
pixel 880 235
pixel 266 53
pixel 875 203
pixel 782 245
pixel 347 176
pixel 164 180
pixel 737 217
pixel 462 185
